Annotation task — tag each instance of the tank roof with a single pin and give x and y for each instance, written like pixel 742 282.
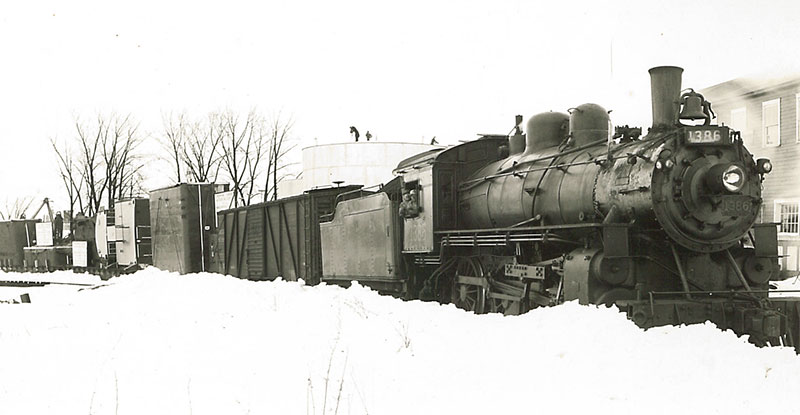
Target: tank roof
pixel 372 143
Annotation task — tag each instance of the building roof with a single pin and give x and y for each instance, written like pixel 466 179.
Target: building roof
pixel 751 87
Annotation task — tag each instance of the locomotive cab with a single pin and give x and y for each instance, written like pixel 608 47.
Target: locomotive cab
pixel 429 183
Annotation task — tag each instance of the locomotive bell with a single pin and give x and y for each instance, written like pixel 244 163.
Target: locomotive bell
pixel 692 109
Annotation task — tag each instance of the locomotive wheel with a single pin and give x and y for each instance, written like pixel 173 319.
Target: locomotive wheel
pixel 470 286
pixel 505 298
pixel 503 306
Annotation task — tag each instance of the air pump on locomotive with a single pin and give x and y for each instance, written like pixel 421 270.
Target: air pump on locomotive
pixel 662 226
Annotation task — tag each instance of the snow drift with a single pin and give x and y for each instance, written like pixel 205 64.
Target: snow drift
pixel 159 343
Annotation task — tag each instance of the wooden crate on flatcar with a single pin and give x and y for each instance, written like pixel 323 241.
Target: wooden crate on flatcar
pixel 48 258
pixel 14 236
pixel 275 239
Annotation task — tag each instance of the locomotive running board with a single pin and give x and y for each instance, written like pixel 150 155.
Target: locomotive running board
pixel 509 235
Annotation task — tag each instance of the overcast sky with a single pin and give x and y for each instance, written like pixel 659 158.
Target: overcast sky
pixel 406 71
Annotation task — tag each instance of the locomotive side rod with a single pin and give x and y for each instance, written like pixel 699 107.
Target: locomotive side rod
pixel 684 281
pixel 737 270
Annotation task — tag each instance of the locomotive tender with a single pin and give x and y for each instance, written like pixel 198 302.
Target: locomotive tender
pixel 662 226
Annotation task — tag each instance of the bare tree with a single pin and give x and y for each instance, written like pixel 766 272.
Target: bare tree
pixel 241 150
pixel 192 146
pixel 176 131
pixel 14 209
pixel 107 162
pixel 201 147
pixel 89 163
pixel 70 175
pixel 122 167
pixel 279 145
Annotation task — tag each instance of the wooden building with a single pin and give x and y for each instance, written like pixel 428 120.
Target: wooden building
pixel 767 113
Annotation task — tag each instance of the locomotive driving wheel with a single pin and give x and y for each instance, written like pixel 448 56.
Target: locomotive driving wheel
pixel 470 286
pixel 506 297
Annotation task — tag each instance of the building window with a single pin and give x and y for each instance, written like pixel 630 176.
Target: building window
pixel 739 119
pixel 797 118
pixel 771 122
pixel 786 214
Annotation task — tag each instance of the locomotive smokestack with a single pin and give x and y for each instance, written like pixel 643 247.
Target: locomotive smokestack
pixel 665 88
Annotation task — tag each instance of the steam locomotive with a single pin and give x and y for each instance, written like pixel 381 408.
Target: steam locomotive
pixel 662 226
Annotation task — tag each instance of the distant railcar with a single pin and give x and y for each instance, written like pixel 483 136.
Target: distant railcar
pixel 14 236
pixel 181 227
pixel 275 239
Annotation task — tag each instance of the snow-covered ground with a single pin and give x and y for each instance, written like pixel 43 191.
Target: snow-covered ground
pixel 159 343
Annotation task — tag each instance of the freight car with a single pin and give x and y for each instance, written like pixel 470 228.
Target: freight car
pixel 25 245
pixel 182 224
pixel 276 239
pixel 28 245
pixel 663 225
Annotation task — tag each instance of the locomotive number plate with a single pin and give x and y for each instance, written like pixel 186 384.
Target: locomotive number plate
pixel 707 135
pixel 736 205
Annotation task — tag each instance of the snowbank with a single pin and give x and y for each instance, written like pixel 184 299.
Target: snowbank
pixel 159 343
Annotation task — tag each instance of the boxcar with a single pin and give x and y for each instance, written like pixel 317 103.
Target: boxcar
pixel 275 239
pixel 182 223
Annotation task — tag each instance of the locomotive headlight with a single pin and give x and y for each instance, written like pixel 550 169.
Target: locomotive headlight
pixel 763 166
pixel 725 178
pixel 733 178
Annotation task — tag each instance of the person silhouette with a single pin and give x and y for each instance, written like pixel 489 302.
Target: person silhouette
pixel 354 131
pixel 58 226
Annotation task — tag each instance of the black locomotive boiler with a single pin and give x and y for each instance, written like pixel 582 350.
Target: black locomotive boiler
pixel 662 225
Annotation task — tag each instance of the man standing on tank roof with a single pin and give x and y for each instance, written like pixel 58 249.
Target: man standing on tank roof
pixel 58 226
